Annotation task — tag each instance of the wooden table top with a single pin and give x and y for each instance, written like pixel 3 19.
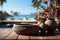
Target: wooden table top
pixel 7 33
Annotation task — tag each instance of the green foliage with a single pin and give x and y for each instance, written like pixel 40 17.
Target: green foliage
pixel 3 14
pixel 2 1
pixel 11 11
pixel 56 0
pixel 36 3
pixel 15 13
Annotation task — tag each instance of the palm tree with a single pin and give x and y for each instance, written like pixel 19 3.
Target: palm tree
pixel 16 13
pixel 52 8
pixel 52 11
pixel 11 12
pixel 1 3
pixel 36 3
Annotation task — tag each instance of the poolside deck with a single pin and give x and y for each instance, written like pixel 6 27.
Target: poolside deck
pixel 7 33
pixel 17 20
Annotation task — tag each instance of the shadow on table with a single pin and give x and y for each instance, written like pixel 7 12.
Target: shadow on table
pixel 6 26
pixel 40 34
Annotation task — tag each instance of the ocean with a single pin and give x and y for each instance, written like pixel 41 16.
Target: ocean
pixel 21 16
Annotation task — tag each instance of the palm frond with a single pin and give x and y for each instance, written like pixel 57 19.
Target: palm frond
pixel 36 3
pixel 5 1
pixel 33 1
pixel 2 1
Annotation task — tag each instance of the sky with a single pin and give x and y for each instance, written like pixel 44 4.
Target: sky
pixel 22 6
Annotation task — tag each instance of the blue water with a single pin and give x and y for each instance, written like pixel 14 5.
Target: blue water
pixel 22 16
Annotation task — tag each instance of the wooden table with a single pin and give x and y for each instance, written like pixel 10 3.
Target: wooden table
pixel 7 33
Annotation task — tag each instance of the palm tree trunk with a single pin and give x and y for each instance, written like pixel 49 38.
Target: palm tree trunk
pixel 1 7
pixel 37 9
